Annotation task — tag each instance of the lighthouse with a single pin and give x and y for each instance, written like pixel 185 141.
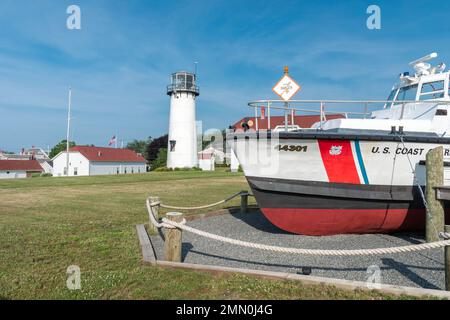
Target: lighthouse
pixel 182 145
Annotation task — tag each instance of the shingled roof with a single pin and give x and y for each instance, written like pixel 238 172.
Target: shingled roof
pixel 20 165
pixel 99 154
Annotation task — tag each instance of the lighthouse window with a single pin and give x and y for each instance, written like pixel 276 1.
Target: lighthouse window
pixel 181 80
pixel 172 145
pixel 189 81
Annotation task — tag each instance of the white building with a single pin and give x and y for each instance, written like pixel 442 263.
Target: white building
pixel 206 160
pixel 182 145
pixel 31 154
pixel 91 161
pixel 14 169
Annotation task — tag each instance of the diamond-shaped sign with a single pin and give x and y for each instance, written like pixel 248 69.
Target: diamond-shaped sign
pixel 286 88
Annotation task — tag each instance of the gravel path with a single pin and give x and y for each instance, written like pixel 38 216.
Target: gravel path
pixel 421 269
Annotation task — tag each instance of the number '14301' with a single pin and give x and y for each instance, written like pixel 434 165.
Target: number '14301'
pixel 292 148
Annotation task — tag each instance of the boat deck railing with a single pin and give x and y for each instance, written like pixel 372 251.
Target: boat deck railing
pixel 361 109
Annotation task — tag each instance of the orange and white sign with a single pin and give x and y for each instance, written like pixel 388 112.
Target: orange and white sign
pixel 286 88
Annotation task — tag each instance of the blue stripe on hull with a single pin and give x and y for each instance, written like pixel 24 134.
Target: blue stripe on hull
pixel 361 162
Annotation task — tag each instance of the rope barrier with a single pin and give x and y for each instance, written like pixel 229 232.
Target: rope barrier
pixel 208 205
pixel 317 252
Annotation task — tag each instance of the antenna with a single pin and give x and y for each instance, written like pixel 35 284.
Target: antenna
pixel 424 59
pixel 195 68
pixel 421 66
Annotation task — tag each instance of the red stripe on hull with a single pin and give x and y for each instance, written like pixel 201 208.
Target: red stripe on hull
pixel 338 161
pixel 322 222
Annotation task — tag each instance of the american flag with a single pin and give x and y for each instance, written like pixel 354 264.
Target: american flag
pixel 112 141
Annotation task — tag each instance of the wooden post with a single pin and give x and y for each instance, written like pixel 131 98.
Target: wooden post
pixel 152 227
pixel 172 243
pixel 244 201
pixel 434 178
pixel 447 262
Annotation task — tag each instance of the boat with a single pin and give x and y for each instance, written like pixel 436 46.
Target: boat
pixel 361 173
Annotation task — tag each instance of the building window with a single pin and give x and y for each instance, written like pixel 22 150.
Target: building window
pixel 75 171
pixel 65 171
pixel 139 170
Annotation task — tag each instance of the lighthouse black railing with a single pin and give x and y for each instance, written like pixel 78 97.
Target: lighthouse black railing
pixel 183 88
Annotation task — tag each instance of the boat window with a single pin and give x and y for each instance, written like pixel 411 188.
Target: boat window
pixel 391 98
pixel 432 90
pixel 433 95
pixel 432 86
pixel 392 95
pixel 407 93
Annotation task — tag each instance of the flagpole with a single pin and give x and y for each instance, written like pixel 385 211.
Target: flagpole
pixel 68 131
pixel 115 140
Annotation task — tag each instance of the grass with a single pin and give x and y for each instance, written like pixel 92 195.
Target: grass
pixel 48 224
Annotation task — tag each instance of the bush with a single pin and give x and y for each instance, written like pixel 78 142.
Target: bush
pixel 38 175
pixel 44 174
pixel 165 169
pixel 161 159
pixel 162 169
pixel 222 165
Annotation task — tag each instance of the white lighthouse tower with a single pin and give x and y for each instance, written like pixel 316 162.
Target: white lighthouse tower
pixel 182 146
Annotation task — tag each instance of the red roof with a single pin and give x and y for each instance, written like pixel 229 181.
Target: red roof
pixel 302 121
pixel 99 154
pixel 21 165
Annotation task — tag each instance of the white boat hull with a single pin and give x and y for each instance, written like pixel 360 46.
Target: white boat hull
pixel 321 184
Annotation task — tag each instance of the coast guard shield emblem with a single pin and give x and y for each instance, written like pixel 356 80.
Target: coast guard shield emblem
pixel 335 150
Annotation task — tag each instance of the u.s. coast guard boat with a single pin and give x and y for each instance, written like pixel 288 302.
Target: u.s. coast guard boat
pixel 357 174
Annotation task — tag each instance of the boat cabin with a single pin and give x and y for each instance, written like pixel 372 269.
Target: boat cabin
pixel 418 103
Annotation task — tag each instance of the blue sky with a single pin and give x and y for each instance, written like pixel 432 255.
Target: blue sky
pixel 120 61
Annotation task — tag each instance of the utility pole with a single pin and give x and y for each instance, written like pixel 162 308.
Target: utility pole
pixel 68 131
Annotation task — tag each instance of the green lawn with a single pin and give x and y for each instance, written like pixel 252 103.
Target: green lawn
pixel 47 224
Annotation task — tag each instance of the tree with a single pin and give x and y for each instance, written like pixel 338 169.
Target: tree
pixel 62 146
pixel 154 147
pixel 139 146
pixel 161 159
